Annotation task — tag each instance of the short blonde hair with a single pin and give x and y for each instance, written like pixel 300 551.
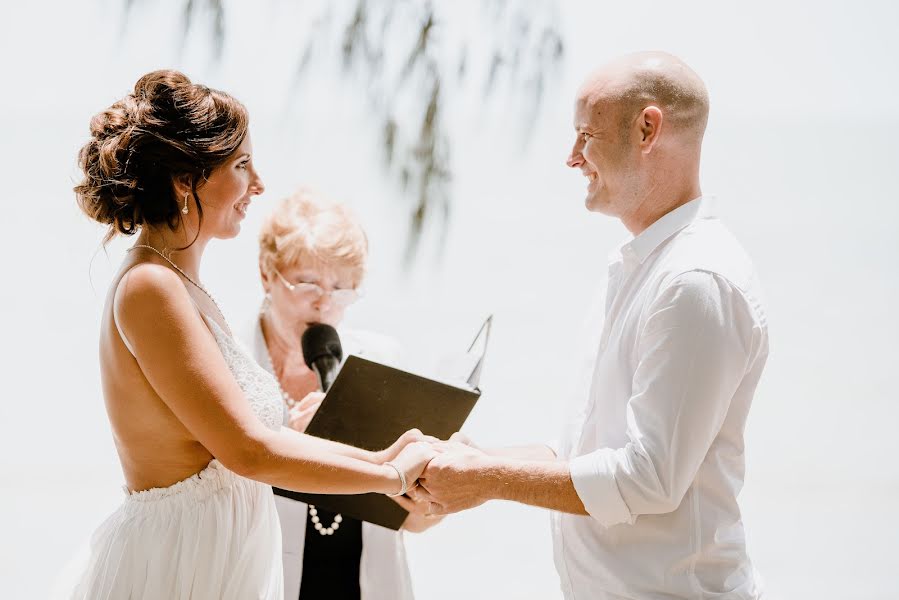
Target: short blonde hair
pixel 307 228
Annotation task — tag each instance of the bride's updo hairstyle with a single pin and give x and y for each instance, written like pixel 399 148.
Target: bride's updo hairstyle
pixel 168 127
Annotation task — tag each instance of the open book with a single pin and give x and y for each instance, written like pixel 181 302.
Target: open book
pixel 370 405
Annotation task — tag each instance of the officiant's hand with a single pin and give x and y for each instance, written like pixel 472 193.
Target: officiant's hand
pixel 303 411
pixel 454 479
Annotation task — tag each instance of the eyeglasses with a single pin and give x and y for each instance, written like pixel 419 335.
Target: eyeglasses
pixel 340 297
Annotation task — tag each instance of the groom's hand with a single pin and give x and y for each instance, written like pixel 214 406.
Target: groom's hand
pixel 455 479
pixel 463 439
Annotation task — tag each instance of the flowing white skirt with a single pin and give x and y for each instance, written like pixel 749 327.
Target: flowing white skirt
pixel 213 535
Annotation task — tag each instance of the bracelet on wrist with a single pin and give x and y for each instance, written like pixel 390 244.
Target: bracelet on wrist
pixel 405 487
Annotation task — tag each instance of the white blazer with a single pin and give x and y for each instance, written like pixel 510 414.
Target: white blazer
pixel 383 571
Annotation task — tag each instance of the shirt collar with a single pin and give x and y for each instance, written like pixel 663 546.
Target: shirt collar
pixel 640 247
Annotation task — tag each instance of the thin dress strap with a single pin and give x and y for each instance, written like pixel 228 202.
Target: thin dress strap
pixel 207 320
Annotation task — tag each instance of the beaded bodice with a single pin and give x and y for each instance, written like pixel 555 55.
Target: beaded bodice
pixel 259 386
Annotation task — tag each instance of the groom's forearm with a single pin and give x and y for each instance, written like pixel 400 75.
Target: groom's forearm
pixel 534 452
pixel 543 483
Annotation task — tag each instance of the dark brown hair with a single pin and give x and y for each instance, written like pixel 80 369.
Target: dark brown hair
pixel 168 127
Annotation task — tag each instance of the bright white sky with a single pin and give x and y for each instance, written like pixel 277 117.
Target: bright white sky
pixel 802 147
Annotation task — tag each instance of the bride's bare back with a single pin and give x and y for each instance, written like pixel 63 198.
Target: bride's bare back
pixel 154 446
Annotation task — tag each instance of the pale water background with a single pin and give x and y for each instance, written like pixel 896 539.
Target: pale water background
pixel 802 150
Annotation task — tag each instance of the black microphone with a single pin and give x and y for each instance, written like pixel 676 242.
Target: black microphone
pixel 322 353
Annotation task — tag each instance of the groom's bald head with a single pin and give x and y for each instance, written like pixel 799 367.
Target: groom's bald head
pixel 631 83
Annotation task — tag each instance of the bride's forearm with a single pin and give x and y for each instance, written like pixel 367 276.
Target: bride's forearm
pixel 337 447
pixel 293 461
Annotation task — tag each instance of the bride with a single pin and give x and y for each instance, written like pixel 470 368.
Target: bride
pixel 196 422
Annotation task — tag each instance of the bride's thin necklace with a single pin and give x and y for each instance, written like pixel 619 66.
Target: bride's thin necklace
pixel 199 286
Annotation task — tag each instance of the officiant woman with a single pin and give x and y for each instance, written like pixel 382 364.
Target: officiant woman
pixel 312 258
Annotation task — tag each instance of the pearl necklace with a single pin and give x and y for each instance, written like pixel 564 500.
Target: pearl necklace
pixel 199 286
pixel 288 399
pixel 321 529
pixel 290 402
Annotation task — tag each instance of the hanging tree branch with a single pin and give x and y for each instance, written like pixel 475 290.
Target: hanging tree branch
pixel 406 57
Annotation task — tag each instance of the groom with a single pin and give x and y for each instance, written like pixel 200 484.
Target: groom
pixel 645 487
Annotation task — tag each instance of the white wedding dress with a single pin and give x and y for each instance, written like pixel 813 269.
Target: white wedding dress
pixel 213 535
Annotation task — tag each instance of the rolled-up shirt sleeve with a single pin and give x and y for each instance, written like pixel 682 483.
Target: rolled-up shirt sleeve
pixel 692 354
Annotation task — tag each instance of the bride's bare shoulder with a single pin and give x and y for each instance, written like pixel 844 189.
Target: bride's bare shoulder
pixel 148 288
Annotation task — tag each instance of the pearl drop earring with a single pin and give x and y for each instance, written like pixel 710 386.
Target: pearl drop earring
pixel 184 210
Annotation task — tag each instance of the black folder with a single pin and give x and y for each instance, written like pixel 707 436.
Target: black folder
pixel 370 405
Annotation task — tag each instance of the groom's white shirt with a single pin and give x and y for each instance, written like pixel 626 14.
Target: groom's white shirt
pixel 657 450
